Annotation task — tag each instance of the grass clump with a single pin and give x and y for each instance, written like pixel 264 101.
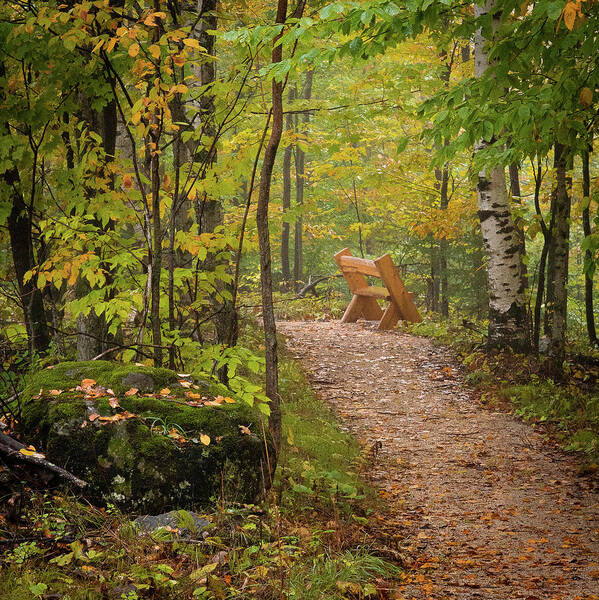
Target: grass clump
pixel 573 415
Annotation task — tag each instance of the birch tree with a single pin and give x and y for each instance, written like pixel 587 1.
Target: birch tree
pixel 507 304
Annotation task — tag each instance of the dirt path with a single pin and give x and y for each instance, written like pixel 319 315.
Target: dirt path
pixel 486 507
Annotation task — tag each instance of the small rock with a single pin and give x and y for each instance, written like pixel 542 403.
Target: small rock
pixel 172 519
pixel 141 381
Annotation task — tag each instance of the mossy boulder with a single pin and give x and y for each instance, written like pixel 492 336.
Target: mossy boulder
pixel 170 445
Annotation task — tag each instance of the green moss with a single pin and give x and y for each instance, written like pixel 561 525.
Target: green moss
pixel 134 462
pixel 108 374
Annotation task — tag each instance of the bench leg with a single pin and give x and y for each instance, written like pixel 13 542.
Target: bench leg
pixel 371 310
pixel 353 310
pixel 362 306
pixel 390 318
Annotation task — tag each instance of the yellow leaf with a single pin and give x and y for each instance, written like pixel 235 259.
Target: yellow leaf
pixel 97 46
pixel 205 439
pixel 229 400
pixel 133 50
pixel 87 383
pixel 569 13
pixel 154 50
pixel 586 97
pixel 192 43
pixel 165 392
pixel 28 452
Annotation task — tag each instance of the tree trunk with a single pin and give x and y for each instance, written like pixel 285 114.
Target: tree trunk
pixel 557 266
pixel 268 314
pixel 442 184
pixel 542 270
pixel 588 255
pixel 507 303
pixel 285 265
pixel 156 257
pixel 225 316
pixel 21 242
pixel 518 223
pixel 442 176
pixel 19 228
pixel 300 180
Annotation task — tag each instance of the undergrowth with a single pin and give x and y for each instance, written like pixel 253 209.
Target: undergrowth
pixel 309 540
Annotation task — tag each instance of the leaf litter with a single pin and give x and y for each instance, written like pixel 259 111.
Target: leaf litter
pixel 483 505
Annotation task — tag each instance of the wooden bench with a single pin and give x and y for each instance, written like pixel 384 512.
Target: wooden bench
pixel 364 303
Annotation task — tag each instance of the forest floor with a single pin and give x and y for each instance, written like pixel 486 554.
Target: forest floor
pixel 486 506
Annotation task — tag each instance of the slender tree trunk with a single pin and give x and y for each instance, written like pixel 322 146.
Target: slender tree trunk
pixel 518 222
pixel 442 176
pixel 507 302
pixel 19 229
pixel 433 292
pixel 21 242
pixel 285 265
pixel 588 255
pixel 542 269
pixel 442 184
pixel 557 266
pixel 225 316
pixel 300 180
pixel 268 314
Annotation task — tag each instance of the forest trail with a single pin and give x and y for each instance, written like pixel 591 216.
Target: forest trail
pixel 483 506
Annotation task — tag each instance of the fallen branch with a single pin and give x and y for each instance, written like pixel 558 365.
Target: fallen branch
pixel 10 452
pixel 311 285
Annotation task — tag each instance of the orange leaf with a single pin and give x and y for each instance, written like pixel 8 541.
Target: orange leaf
pixel 114 402
pixel 127 181
pixel 193 395
pixel 93 416
pixel 569 13
pixel 245 430
pixel 165 392
pixel 131 392
pixel 55 392
pixel 87 383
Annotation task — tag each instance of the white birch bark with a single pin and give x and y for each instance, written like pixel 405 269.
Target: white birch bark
pixel 507 307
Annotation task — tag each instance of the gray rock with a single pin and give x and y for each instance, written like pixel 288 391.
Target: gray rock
pixel 175 519
pixel 141 381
